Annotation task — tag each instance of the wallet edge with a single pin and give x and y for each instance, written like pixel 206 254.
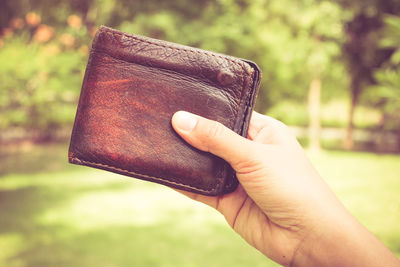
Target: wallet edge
pixel 249 107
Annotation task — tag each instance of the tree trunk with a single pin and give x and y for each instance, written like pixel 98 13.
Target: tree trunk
pixel 398 140
pixel 348 143
pixel 314 104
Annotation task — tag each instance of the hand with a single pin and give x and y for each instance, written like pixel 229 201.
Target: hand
pixel 282 207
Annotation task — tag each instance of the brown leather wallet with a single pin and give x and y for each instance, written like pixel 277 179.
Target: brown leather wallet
pixel 132 87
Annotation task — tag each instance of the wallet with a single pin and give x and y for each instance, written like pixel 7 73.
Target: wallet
pixel 132 87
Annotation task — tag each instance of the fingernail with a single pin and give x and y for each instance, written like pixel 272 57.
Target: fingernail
pixel 185 121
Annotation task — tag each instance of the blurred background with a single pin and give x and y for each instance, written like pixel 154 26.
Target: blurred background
pixel 331 70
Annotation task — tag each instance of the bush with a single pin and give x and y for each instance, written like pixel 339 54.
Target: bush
pixel 39 83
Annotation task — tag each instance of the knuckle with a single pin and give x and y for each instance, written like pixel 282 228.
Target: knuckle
pixel 249 166
pixel 251 161
pixel 215 131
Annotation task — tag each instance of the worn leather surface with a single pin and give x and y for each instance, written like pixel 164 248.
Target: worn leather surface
pixel 132 87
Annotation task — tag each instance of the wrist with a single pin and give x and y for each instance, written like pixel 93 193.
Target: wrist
pixel 342 241
pixel 323 242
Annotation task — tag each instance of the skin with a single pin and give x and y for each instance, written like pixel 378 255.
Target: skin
pixel 282 207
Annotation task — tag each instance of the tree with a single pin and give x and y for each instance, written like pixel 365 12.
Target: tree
pixel 361 49
pixel 296 43
pixel 385 93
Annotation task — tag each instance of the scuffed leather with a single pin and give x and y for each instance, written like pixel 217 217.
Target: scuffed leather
pixel 132 87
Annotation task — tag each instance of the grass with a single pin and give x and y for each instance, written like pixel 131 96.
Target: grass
pixel 55 214
pixel 369 186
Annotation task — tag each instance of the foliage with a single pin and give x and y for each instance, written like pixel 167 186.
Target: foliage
pixel 294 42
pixel 41 71
pixel 39 84
pixel 290 46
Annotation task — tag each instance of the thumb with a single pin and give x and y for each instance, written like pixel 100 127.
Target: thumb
pixel 213 137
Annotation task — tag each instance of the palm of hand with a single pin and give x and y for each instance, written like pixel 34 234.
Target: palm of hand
pixel 282 207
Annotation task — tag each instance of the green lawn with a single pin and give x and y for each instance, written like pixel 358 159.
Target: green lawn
pixel 55 214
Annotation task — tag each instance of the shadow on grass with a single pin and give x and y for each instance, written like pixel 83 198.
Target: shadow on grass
pixel 158 245
pixel 20 206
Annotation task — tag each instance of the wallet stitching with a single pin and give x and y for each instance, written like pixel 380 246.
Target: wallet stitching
pixel 164 179
pixel 193 50
pixel 137 173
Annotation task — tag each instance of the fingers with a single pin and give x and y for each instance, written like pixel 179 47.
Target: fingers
pixel 257 122
pixel 267 130
pixel 213 137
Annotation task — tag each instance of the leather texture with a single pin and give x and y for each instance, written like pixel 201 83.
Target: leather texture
pixel 132 87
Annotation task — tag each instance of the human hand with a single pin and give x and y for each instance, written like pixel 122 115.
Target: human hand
pixel 282 207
